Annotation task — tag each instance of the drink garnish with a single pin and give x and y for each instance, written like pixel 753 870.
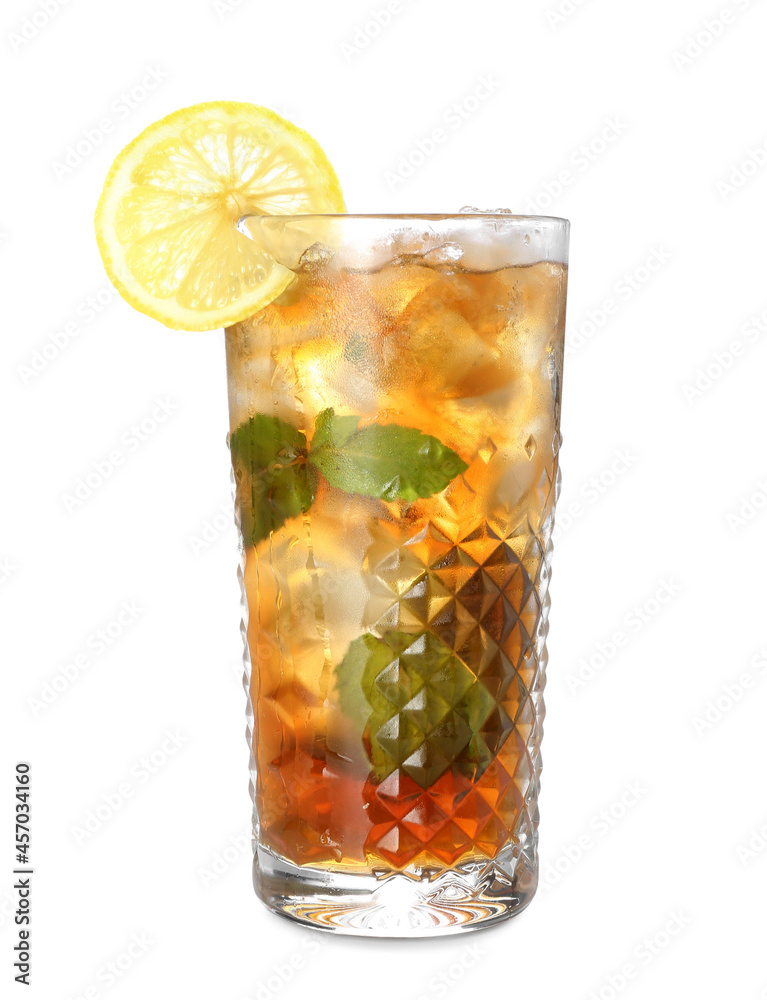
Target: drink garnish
pixel 422 709
pixel 165 221
pixel 276 471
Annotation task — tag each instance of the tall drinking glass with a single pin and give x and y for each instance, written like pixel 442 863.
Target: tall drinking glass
pixel 394 440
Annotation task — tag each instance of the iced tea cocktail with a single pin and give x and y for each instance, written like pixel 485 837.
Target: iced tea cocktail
pixel 394 395
pixel 394 439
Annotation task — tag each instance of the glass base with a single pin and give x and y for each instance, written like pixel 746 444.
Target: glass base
pixel 418 904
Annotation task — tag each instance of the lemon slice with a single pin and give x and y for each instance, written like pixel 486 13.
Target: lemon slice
pixel 165 221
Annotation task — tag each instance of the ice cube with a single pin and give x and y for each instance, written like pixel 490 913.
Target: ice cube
pixel 318 255
pixel 395 286
pixel 447 253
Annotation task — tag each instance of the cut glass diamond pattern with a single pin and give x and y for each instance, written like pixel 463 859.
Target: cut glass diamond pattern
pixel 465 783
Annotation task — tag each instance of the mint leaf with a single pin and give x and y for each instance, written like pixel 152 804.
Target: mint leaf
pixel 419 708
pixel 274 481
pixel 385 461
pixel 365 658
pixel 269 462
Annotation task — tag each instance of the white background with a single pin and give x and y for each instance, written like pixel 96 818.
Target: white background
pixel 676 510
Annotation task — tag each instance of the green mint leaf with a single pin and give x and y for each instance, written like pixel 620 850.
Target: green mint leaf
pixel 419 708
pixel 385 461
pixel 269 462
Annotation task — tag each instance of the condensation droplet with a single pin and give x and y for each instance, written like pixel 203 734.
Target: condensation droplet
pixel 487 450
pixel 472 210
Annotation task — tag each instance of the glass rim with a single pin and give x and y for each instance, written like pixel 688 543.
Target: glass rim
pixel 408 216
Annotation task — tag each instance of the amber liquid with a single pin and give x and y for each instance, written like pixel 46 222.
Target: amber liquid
pixel 475 360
